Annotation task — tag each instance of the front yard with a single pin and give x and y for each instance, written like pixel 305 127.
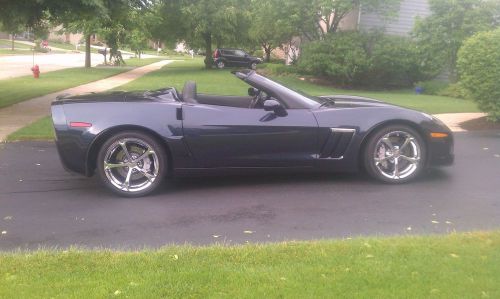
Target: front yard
pixel 24 88
pixel 453 266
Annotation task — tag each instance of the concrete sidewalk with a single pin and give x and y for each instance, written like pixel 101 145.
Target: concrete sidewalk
pixel 21 114
pixel 453 120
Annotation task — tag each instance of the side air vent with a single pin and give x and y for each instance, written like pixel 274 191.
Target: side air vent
pixel 337 143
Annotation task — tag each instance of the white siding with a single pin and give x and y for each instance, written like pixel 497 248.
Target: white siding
pixel 402 24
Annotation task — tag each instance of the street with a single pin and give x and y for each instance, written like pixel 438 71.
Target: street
pixel 41 205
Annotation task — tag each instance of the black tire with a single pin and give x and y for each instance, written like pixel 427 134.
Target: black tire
pixel 147 173
pixel 381 160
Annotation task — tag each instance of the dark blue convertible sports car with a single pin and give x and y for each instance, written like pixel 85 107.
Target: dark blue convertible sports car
pixel 135 140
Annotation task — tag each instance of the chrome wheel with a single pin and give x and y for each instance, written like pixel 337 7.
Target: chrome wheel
pixel 253 66
pixel 397 155
pixel 220 64
pixel 131 164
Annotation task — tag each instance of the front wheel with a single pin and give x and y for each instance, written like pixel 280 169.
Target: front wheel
pixel 395 154
pixel 132 164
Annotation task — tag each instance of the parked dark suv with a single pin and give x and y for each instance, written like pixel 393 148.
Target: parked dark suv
pixel 234 57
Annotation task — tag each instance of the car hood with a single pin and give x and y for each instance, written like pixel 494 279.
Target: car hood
pixel 346 101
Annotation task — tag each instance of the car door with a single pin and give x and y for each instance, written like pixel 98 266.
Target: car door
pixel 220 136
pixel 241 58
pixel 230 57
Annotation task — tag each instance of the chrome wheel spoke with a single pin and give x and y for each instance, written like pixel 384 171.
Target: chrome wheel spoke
pixel 388 142
pixel 412 160
pixel 123 145
pixel 147 153
pixel 126 184
pixel 406 142
pixel 148 176
pixel 395 174
pixel 108 165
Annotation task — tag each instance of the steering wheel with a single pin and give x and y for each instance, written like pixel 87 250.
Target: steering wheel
pixel 258 100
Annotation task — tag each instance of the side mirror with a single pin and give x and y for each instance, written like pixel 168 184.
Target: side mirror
pixel 275 106
pixel 253 91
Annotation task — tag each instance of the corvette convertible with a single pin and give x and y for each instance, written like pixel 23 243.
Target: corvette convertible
pixel 135 140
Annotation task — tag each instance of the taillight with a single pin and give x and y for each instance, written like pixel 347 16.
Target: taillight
pixel 78 124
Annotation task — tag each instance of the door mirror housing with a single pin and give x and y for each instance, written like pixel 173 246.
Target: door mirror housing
pixel 253 91
pixel 275 106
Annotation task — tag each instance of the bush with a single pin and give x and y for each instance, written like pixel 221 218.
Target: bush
pixel 341 58
pixel 455 90
pixel 432 87
pixel 278 68
pixel 365 59
pixel 479 70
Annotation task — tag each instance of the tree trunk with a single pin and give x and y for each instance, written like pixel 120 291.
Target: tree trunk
pixel 208 51
pixel 13 37
pixel 87 51
pixel 268 50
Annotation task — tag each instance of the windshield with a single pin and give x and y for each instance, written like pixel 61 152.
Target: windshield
pixel 292 98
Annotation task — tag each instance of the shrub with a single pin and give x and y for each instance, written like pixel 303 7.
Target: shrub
pixel 341 57
pixel 365 59
pixel 432 87
pixel 278 68
pixel 479 70
pixel 455 90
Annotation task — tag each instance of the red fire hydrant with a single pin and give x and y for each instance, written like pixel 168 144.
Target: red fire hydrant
pixel 36 71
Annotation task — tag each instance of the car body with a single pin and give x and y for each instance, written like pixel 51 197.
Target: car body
pixel 274 128
pixel 229 57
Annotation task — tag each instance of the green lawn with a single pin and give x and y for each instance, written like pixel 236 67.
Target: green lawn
pixel 453 266
pixel 223 82
pixel 23 88
pixel 135 62
pixel 39 130
pixel 177 73
pixel 17 45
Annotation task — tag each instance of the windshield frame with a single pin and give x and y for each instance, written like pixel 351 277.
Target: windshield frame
pixel 291 98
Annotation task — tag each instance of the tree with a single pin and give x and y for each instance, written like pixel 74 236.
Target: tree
pixel 203 23
pixel 270 26
pixel 479 69
pixel 17 16
pixel 443 32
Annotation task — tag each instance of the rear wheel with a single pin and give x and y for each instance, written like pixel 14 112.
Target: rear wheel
pixel 132 164
pixel 395 154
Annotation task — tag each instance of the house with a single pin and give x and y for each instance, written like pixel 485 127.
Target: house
pixel 401 23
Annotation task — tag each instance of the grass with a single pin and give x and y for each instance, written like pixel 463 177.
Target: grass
pixel 17 45
pixel 222 82
pixel 406 98
pixel 177 73
pixel 136 62
pixel 39 130
pixel 23 88
pixel 453 266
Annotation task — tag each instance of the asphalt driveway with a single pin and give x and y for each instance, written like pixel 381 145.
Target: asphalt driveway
pixel 41 205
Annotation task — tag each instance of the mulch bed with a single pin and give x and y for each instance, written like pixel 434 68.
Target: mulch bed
pixel 480 124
